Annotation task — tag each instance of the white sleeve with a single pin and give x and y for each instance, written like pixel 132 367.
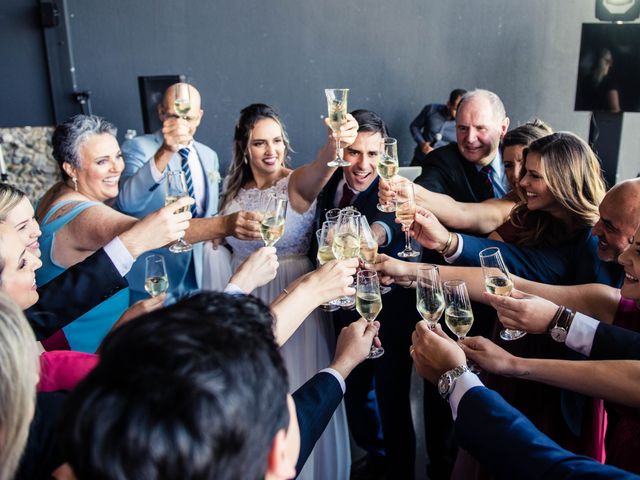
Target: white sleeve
pixel 581 334
pixel 464 383
pixel 119 255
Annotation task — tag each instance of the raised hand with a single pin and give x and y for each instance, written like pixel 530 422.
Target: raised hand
pixel 348 132
pixel 522 311
pixel 391 270
pixel 387 190
pixel 353 345
pixel 428 231
pixel 243 225
pixel 159 228
pixel 489 356
pixel 257 270
pixel 433 352
pixel 176 133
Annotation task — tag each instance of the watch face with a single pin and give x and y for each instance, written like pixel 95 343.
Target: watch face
pixel 559 334
pixel 444 384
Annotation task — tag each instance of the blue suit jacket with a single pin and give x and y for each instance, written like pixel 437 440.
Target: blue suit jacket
pixel 615 343
pixel 140 195
pixel 315 401
pixel 503 440
pixel 569 264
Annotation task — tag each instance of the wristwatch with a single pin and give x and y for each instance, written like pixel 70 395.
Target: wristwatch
pixel 560 328
pixel 448 380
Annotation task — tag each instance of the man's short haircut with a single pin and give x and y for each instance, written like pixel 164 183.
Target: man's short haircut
pixel 197 390
pixel 453 96
pixel 369 121
pixel 494 100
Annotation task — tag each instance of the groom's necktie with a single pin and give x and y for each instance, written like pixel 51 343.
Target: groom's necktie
pixel 184 156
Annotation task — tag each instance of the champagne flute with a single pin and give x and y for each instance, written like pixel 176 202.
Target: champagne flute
pixel 337 106
pixel 369 302
pixel 369 247
pixel 498 281
pixel 325 254
pixel 182 99
pixel 346 242
pixel 156 279
pixel 388 165
pixel 405 212
pixel 272 225
pixel 176 188
pixel 458 314
pixel 429 297
pixel 332 215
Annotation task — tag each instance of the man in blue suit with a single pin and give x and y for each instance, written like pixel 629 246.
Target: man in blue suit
pixel 199 390
pixel 492 431
pixel 142 190
pixel 357 185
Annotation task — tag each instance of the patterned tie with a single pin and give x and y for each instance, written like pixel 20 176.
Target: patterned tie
pixel 184 156
pixel 347 196
pixel 487 175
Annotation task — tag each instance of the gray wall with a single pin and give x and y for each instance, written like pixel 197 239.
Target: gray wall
pixel 394 56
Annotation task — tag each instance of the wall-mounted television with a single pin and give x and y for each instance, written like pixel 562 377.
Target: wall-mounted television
pixel 609 68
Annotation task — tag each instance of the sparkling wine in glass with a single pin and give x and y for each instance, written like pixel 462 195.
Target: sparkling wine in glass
pixel 429 296
pixel 332 215
pixel 405 212
pixel 369 247
pixel 498 281
pixel 176 188
pixel 369 302
pixel 272 225
pixel 458 314
pixel 325 254
pixel 346 242
pixel 388 165
pixel 182 99
pixel 156 280
pixel 337 106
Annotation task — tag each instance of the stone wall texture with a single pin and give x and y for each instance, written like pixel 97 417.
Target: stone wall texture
pixel 27 155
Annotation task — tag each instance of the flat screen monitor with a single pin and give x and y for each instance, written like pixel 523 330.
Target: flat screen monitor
pixel 609 68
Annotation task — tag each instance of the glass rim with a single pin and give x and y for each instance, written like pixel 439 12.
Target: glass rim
pixel 389 141
pixel 364 273
pixel 336 89
pixel 454 283
pixel 489 251
pixel 154 257
pixel 427 266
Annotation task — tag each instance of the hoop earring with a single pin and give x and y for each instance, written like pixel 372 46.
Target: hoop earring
pixel 75 183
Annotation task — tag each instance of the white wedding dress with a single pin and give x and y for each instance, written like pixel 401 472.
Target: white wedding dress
pixel 311 347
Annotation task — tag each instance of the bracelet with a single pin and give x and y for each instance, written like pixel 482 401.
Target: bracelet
pixel 556 317
pixel 446 245
pixel 286 292
pixel 410 284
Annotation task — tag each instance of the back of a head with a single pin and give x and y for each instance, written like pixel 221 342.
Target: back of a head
pixel 455 94
pixel 573 174
pixel 369 121
pixel 18 378
pixel 497 107
pixel 527 133
pixel 194 391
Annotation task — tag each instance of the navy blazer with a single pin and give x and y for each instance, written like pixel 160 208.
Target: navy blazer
pixel 503 440
pixel 87 283
pixel 570 264
pixel 445 170
pixel 315 401
pixel 615 343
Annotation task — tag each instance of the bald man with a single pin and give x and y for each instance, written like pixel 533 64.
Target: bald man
pixel 148 158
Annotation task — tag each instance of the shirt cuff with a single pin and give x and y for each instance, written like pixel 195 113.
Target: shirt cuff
pixel 119 255
pixel 387 230
pixel 233 289
pixel 464 383
pixel 156 174
pixel 338 377
pixel 454 256
pixel 581 334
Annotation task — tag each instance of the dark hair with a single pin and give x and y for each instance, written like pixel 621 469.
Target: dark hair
pixel 526 133
pixel 70 135
pixel 239 170
pixel 369 121
pixel 453 96
pixel 194 391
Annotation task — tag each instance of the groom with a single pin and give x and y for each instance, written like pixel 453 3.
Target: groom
pixel 357 185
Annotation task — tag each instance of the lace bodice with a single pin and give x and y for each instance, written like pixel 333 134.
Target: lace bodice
pixel 298 227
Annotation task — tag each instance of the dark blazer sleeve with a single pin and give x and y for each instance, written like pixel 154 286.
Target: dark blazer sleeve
pixel 73 293
pixel 315 402
pixel 502 439
pixel 615 343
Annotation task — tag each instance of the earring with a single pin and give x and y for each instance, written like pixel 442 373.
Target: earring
pixel 75 183
pixel 246 161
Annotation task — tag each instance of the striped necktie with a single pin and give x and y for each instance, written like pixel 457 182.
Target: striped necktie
pixel 487 173
pixel 184 156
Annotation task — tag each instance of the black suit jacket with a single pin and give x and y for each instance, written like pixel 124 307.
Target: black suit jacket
pixel 615 343
pixel 73 293
pixel 445 170
pixel 503 440
pixel 315 402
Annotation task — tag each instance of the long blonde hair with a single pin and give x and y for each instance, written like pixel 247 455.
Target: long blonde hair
pixel 239 170
pixel 573 175
pixel 19 368
pixel 10 196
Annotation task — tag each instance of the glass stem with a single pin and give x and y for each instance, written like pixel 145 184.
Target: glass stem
pixel 407 243
pixel 338 148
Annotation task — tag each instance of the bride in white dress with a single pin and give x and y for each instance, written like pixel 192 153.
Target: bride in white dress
pixel 258 168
